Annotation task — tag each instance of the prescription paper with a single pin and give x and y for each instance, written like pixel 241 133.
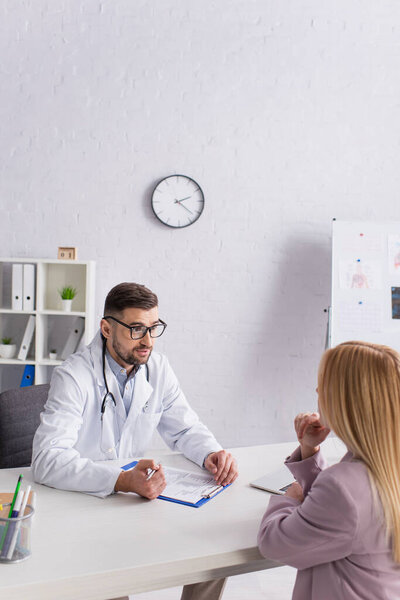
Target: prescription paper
pixel 185 486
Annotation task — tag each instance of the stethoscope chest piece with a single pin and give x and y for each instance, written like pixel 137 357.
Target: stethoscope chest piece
pixel 108 397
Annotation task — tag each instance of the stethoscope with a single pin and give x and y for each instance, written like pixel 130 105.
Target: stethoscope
pixel 109 396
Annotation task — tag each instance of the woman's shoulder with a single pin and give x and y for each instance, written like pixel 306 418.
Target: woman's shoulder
pixel 341 491
pixel 349 476
pixel 347 467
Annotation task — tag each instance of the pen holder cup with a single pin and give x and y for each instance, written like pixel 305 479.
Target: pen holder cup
pixel 15 536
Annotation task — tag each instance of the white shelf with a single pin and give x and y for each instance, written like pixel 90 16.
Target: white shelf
pixel 74 313
pixel 8 311
pixel 49 362
pixel 47 261
pixel 52 324
pixel 15 361
pixel 62 313
pixel 44 362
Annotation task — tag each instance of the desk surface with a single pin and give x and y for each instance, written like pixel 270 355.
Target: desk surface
pixel 84 547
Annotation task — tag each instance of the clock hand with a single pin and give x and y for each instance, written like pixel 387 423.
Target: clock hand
pixel 183 206
pixel 187 198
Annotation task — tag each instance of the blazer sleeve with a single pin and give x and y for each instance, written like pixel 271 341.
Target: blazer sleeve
pixel 319 530
pixel 55 461
pixel 180 426
pixel 305 471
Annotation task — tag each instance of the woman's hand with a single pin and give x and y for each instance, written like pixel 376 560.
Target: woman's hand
pixel 295 491
pixel 310 433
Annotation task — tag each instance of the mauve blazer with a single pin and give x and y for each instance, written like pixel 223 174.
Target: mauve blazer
pixel 335 537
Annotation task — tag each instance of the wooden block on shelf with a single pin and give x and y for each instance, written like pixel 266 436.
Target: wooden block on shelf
pixel 67 253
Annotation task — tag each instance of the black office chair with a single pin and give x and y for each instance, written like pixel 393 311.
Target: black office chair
pixel 19 418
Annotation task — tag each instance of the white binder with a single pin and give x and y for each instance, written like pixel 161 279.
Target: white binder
pixel 16 287
pixel 29 288
pixel 74 337
pixel 27 339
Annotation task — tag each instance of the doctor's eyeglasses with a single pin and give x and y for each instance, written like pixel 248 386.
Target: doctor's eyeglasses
pixel 139 331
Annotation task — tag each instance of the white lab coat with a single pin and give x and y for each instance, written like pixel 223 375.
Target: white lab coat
pixel 70 436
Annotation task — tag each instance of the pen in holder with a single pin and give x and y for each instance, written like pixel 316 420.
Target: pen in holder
pixel 15 536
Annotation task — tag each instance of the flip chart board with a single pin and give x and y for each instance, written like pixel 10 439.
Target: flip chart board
pixel 365 303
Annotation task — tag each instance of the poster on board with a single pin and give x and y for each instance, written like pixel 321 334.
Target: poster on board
pixel 365 300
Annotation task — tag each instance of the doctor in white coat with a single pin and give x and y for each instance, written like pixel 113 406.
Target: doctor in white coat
pixel 107 400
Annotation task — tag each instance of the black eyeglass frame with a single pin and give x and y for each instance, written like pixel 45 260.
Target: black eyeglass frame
pixel 161 322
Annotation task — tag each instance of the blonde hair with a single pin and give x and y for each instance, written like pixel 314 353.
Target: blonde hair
pixel 359 395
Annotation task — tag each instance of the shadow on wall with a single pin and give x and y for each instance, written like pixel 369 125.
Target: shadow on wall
pixel 290 339
pixel 146 202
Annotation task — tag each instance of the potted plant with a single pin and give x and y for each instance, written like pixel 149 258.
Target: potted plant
pixel 7 348
pixel 53 354
pixel 67 294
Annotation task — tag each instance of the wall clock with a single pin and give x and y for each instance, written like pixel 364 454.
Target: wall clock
pixel 177 201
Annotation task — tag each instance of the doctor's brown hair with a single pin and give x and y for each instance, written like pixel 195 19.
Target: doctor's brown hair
pixel 359 398
pixel 129 295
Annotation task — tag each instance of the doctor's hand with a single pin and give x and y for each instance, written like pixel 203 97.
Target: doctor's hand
pixel 136 480
pixel 222 466
pixel 310 433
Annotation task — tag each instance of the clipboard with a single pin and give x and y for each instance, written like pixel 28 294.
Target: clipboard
pixel 176 500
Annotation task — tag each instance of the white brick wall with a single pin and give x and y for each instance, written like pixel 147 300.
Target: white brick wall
pixel 286 112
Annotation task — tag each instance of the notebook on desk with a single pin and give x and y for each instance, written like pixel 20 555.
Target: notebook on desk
pixel 276 482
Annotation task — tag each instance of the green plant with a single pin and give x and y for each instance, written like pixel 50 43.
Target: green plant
pixel 6 340
pixel 54 351
pixel 67 292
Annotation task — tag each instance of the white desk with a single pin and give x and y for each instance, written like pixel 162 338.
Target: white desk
pixel 86 548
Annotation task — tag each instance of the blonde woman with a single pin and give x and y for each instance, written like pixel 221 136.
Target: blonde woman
pixel 340 526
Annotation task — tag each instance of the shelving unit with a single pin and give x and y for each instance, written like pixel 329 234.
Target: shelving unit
pixel 52 323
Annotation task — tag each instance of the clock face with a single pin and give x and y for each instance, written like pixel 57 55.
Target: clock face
pixel 177 201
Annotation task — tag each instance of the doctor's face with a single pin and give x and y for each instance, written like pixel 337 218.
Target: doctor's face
pixel 122 348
